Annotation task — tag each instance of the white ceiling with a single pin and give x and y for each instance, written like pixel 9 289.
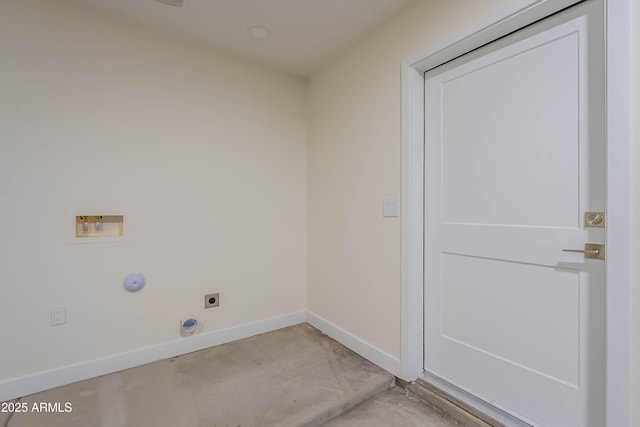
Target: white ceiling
pixel 305 33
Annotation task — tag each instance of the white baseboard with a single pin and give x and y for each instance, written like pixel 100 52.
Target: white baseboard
pixel 45 380
pixel 364 349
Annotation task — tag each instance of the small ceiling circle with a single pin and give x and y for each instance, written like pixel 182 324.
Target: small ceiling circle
pixel 259 32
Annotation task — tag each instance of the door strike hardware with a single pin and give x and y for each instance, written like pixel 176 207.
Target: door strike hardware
pixel 594 219
pixel 590 251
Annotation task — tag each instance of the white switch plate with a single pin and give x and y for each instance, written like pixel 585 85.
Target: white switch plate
pixel 391 207
pixel 58 315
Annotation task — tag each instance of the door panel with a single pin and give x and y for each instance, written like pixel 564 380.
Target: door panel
pixel 529 124
pixel 514 155
pixel 511 316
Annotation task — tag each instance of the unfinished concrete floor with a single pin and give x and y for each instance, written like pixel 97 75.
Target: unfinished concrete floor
pixel 291 377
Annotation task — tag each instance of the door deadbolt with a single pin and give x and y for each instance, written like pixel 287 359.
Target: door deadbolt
pixel 594 219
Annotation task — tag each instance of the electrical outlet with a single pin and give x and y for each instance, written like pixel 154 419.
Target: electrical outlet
pixel 58 315
pixel 211 300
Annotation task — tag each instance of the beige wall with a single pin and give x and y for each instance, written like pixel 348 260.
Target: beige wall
pixel 207 153
pixel 354 163
pixel 635 214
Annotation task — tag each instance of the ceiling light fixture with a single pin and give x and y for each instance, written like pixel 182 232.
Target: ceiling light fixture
pixel 176 3
pixel 259 32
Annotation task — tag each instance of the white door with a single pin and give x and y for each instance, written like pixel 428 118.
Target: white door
pixel 514 157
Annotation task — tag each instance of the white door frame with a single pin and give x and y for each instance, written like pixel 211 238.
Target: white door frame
pixel 504 21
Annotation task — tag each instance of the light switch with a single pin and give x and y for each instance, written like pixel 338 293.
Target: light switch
pixel 58 315
pixel 391 207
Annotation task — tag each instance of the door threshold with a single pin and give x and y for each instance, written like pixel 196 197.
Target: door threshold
pixel 473 411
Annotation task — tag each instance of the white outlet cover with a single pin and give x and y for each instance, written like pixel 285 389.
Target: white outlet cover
pixel 391 207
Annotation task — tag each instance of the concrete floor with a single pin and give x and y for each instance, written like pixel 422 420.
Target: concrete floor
pixel 291 377
pixel 395 407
